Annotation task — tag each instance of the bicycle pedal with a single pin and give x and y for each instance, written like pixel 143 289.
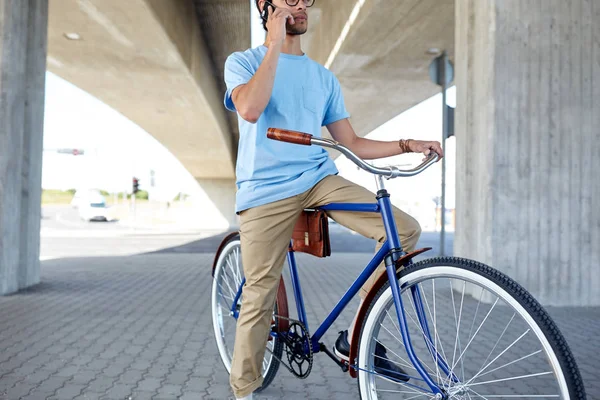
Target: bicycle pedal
pixel 341 363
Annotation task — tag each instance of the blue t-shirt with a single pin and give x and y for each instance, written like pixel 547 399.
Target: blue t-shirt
pixel 306 96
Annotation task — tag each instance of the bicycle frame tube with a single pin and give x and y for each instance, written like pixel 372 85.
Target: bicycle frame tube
pixel 389 223
pixel 360 207
pixel 297 289
pixel 349 295
pixel 234 310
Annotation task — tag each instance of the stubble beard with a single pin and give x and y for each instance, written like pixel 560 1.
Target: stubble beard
pixel 296 30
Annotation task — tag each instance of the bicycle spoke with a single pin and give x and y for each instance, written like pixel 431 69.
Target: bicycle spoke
pixel 516 396
pixel 225 308
pixel 478 395
pixel 473 325
pixel 512 362
pixel 391 334
pixel 398 339
pixel 435 335
pixel 408 398
pixel 477 331
pixel 498 356
pixel 400 364
pixel 236 256
pixel 234 272
pixel 409 364
pixel 400 391
pixel 476 312
pixel 519 396
pixel 427 340
pixel 223 294
pixel 233 292
pixel 393 323
pixel 238 275
pixel 406 363
pixel 457 341
pixel 462 364
pixel 434 357
pixel 511 379
pixel 414 389
pixel 231 269
pixel 496 344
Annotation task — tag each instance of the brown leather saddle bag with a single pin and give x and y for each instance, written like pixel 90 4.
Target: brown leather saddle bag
pixel 311 234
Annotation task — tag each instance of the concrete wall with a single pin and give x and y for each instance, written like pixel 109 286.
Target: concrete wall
pixel 528 143
pixel 23 33
pixel 216 211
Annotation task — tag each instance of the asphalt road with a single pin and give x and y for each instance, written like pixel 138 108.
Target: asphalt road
pixel 64 234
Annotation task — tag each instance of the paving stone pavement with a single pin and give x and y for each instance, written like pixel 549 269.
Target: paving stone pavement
pixel 140 327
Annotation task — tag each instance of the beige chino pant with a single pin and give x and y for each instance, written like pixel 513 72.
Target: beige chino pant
pixel 265 236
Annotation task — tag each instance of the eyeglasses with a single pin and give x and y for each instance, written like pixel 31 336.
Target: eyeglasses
pixel 292 3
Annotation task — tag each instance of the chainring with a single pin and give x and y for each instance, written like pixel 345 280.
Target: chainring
pixel 296 339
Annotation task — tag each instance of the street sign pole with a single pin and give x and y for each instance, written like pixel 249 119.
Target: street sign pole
pixel 441 72
pixel 444 136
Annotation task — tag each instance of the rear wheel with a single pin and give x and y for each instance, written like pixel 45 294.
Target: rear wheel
pixel 496 339
pixel 228 277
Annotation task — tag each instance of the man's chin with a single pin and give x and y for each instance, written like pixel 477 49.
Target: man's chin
pixel 296 32
pixel 293 30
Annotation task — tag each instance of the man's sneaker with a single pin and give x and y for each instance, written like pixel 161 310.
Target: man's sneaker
pixel 387 368
pixel 382 365
pixel 342 347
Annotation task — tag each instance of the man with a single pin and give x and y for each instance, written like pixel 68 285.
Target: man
pixel 277 85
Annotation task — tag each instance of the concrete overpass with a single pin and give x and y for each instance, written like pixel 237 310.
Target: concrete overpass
pixel 526 133
pixel 160 63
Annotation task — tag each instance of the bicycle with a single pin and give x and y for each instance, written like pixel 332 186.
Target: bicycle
pixel 416 307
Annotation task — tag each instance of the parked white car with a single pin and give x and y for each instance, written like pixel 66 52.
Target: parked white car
pixel 94 209
pixel 83 196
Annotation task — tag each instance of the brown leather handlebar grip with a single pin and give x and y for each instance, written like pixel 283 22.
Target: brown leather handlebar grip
pixel 285 135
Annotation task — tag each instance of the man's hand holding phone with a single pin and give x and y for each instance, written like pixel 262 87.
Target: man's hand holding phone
pixel 276 23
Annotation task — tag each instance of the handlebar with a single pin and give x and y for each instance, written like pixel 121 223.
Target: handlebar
pixel 389 172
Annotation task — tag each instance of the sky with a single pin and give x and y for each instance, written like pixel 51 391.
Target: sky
pixel 115 149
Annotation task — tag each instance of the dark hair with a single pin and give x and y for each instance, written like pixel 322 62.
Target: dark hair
pixel 264 22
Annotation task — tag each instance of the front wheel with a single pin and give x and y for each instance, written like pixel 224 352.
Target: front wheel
pixel 480 336
pixel 228 277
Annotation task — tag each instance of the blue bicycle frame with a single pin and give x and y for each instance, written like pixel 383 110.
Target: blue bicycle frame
pixel 390 252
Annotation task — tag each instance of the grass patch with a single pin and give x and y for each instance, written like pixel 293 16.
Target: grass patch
pixel 56 197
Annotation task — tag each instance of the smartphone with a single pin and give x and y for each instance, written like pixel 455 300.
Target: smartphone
pixel 265 14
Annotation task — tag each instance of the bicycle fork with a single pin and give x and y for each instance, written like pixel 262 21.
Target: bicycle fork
pixel 417 299
pixel 418 302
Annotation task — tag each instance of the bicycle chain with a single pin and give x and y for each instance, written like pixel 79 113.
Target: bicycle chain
pixel 288 349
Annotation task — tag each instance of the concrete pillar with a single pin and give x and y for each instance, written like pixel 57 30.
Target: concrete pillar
pixel 528 143
pixel 23 38
pixel 217 208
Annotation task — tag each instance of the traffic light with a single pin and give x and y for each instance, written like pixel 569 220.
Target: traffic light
pixel 136 185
